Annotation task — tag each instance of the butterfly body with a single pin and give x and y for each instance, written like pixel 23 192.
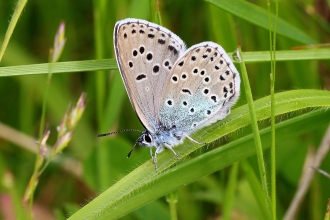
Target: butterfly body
pixel 174 91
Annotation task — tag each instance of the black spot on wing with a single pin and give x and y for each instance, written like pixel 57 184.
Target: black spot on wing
pixel 214 98
pixel 155 69
pixel 161 41
pixel 171 48
pixel 141 76
pixel 186 91
pixel 149 56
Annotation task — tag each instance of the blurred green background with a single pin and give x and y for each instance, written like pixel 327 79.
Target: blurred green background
pixel 90 165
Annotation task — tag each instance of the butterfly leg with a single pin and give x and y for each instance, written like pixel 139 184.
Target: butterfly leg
pixel 154 158
pixel 171 148
pixel 191 139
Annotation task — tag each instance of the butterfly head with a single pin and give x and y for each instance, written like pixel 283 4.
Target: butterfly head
pixel 146 139
pixel 161 137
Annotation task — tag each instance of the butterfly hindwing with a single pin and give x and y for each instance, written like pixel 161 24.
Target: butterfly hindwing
pixel 145 54
pixel 201 88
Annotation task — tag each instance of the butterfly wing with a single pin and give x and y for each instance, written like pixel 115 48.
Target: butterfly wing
pixel 201 88
pixel 145 54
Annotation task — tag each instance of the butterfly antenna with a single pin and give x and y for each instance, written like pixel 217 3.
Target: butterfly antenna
pixel 116 132
pixel 129 154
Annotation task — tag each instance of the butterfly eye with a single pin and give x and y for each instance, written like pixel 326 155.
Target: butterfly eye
pixel 147 138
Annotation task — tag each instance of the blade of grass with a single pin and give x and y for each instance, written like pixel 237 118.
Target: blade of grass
pixel 256 15
pixel 103 207
pixel 110 64
pixel 155 13
pixel 230 192
pixel 255 186
pixel 172 199
pixel 17 13
pixel 255 128
pixel 129 193
pixel 272 47
pixel 100 76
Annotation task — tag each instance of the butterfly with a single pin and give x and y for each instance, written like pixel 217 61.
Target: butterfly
pixel 174 91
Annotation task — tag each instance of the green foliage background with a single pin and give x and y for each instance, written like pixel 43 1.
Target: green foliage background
pixel 100 163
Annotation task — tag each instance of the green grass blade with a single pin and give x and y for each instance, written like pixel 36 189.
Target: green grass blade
pixel 132 190
pixel 17 13
pixel 272 47
pixel 103 208
pixel 255 186
pixel 258 16
pixel 100 44
pixel 110 64
pixel 255 128
pixel 230 192
pixel 287 55
pixel 60 67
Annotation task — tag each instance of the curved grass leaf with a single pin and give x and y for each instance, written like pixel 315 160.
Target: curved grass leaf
pixel 144 185
pixel 111 64
pixel 259 16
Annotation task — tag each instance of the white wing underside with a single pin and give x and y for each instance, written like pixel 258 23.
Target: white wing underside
pixel 145 53
pixel 202 87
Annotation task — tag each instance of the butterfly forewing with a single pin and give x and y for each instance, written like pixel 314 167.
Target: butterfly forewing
pixel 145 54
pixel 202 87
